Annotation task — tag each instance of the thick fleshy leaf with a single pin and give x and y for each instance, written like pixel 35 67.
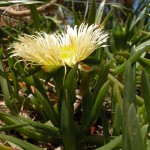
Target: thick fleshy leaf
pixel 35 16
pixel 145 63
pixel 102 78
pixel 135 136
pixel 45 101
pixel 115 143
pixel 10 127
pixel 117 96
pixel 100 12
pixel 47 107
pixel 117 121
pixel 106 19
pixel 36 103
pixel 5 86
pixel 67 123
pixel 105 127
pixel 87 105
pixel 76 18
pixel 114 80
pixel 92 13
pixel 91 60
pixel 59 80
pixel 70 83
pixel 145 83
pixel 14 77
pixel 144 132
pixel 136 20
pixel 95 112
pixel 19 142
pixel 129 98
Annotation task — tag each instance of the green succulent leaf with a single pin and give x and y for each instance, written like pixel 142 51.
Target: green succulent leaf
pixel 129 98
pixel 67 123
pixel 19 142
pixel 145 83
pixel 135 135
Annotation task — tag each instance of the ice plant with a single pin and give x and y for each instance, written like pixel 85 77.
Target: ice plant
pixel 52 51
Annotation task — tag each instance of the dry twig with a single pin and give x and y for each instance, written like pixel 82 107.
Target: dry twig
pixel 11 11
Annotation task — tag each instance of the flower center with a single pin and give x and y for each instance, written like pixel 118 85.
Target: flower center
pixel 68 54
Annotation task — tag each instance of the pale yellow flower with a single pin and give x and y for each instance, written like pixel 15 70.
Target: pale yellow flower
pixel 52 51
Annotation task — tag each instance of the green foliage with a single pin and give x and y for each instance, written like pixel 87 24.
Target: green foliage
pixel 111 75
pixel 92 12
pixel 145 92
pixel 129 98
pixel 135 135
pixel 19 142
